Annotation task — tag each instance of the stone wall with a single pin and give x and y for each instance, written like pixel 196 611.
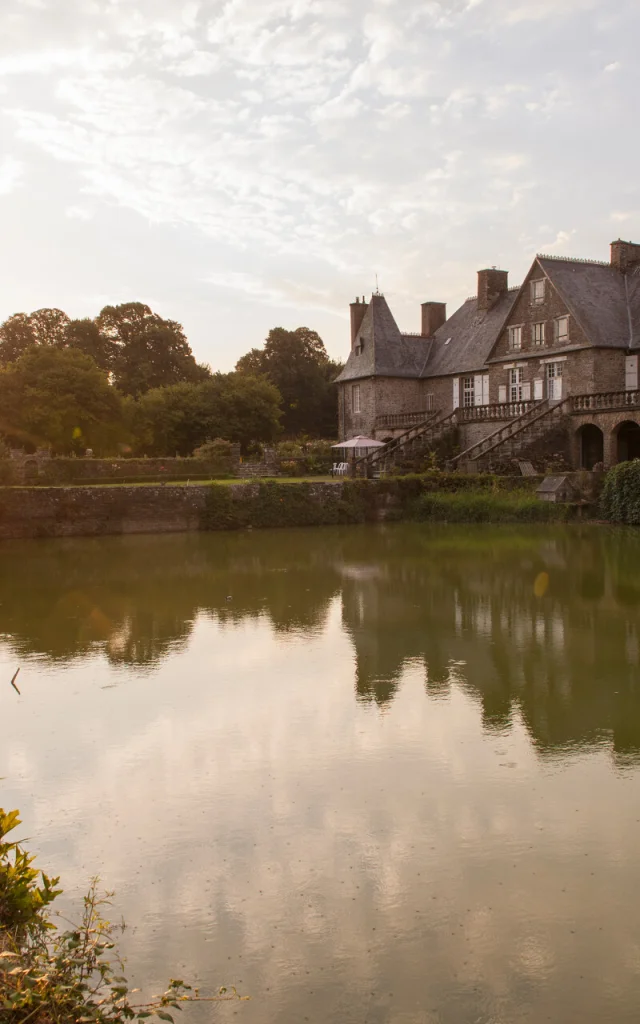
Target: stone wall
pixel 38 512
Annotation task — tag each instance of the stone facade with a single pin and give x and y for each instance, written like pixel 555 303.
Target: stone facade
pixel 571 330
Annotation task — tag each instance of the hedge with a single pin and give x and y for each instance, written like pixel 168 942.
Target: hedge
pixel 620 499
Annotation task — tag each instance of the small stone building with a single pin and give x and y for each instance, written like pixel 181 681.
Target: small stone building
pixel 557 489
pixel 568 336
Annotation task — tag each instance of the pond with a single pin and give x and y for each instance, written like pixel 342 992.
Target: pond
pixel 386 774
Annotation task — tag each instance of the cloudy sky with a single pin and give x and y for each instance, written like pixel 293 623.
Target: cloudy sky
pixel 240 164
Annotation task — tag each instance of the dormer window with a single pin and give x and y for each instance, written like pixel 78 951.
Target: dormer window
pixel 359 346
pixel 515 337
pixel 561 332
pixel 537 291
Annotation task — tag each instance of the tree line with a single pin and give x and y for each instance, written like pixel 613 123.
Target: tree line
pixel 127 380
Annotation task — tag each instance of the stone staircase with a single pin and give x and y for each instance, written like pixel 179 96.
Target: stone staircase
pixel 416 441
pixel 515 439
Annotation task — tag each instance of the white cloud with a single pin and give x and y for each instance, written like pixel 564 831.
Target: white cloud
pixel 79 213
pixel 11 174
pixel 331 139
pixel 615 66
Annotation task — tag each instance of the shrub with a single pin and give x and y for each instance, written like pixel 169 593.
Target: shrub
pixel 620 500
pixel 48 976
pixel 213 451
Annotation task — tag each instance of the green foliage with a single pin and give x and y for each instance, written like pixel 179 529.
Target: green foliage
pixel 304 457
pixel 486 507
pixel 212 451
pixel 181 418
pixel 620 499
pixel 22 899
pixel 71 977
pixel 59 399
pixel 296 362
pixel 149 351
pixel 273 504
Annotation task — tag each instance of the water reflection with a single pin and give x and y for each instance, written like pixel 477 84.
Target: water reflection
pixel 543 623
pixel 364 774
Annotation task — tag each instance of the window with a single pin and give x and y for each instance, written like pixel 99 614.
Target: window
pixel 515 385
pixel 537 334
pixel 537 291
pixel 355 398
pixel 430 402
pixel 562 329
pixel 515 337
pixel 468 392
pixel 554 381
pixel 359 346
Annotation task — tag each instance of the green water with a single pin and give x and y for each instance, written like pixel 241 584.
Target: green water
pixel 373 774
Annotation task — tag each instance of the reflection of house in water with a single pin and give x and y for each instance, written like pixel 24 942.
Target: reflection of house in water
pixel 564 656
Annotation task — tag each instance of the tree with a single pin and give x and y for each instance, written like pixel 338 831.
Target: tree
pixel 86 336
pixel 298 364
pixel 49 327
pixel 182 417
pixel 148 351
pixel 59 399
pixel 16 336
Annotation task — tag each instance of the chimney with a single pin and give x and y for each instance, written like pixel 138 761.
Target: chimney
pixel 624 255
pixel 358 310
pixel 434 315
pixel 492 284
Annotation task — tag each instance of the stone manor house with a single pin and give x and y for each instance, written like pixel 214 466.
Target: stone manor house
pixel 551 365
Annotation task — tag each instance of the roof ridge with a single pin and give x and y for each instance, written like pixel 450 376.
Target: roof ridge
pixel 571 259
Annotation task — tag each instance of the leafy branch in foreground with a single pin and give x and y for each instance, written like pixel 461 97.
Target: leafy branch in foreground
pixel 49 976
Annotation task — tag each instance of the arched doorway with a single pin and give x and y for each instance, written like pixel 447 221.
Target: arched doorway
pixel 591 445
pixel 628 438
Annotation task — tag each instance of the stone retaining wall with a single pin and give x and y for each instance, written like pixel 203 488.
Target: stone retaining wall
pixel 31 512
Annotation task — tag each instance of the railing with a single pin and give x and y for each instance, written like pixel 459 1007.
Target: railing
pixel 403 419
pixel 531 415
pixel 432 427
pixel 497 411
pixel 605 400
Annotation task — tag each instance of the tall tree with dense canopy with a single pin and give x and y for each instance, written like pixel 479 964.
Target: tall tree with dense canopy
pixel 296 362
pixel 59 399
pixel 182 417
pixel 148 351
pixel 16 336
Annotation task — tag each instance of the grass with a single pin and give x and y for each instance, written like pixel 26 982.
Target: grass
pixel 486 507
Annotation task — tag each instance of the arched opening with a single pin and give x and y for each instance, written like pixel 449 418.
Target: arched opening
pixel 591 445
pixel 628 441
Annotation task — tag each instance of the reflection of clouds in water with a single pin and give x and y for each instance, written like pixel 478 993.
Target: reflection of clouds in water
pixel 245 806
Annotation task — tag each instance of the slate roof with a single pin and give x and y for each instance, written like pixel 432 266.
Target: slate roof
pixel 473 334
pixel 386 352
pixel 603 301
pixel 599 297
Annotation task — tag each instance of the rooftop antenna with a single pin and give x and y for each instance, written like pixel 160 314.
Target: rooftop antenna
pixel 377 289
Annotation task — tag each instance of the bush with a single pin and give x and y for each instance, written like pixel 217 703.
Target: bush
pixel 48 976
pixel 620 500
pixel 212 451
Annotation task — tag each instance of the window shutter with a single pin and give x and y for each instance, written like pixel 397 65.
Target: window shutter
pixel 538 389
pixel 631 373
pixel 485 389
pixel 526 392
pixel 456 392
pixel 502 393
pixel 477 391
